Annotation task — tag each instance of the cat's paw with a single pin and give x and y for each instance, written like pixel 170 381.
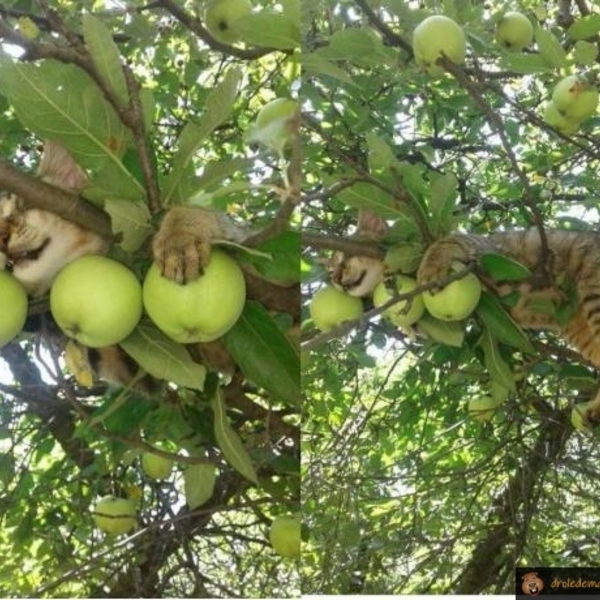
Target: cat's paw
pixel 182 246
pixel 445 256
pixel 434 266
pixel 181 256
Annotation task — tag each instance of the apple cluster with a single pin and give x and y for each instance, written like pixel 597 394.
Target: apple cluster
pixel 98 302
pixel 456 301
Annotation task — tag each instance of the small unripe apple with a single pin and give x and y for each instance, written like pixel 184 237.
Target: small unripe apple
pixel 483 408
pixel 456 301
pixel 155 466
pixel 219 16
pixel 514 31
pixel 330 307
pixel 201 310
pixel 114 515
pixel 285 536
pixel 96 301
pixel 272 127
pixel 559 121
pixel 575 97
pixel 438 35
pixel 401 313
pixel 13 314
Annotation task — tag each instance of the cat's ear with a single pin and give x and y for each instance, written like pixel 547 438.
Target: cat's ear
pixel 58 168
pixel 371 225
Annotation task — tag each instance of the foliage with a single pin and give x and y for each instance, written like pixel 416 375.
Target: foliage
pixel 402 491
pixel 158 112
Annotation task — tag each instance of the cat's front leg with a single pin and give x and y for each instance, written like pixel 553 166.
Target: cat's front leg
pixel 437 262
pixel 181 248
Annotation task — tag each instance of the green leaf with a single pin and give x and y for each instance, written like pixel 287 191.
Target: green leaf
pixel 106 55
pixel 497 367
pixel 442 201
pixel 381 156
pixel 404 256
pixel 199 483
pixel 451 333
pixel 131 220
pixel 550 49
pixel 524 64
pixel 230 443
pixel 315 64
pixel 163 358
pixel 217 109
pixel 215 173
pixel 584 28
pixel 585 53
pixel 121 414
pixel 58 101
pixel 282 257
pixel 502 268
pixel 360 46
pixel 269 30
pixel 367 195
pixel 500 324
pixel 265 354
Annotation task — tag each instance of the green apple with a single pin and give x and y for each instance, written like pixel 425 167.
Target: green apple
pixel 575 97
pixel 156 466
pixel 514 31
pixel 114 515
pixel 201 310
pixel 559 121
pixel 13 300
pixel 219 16
pixel 96 300
pixel 272 127
pixel 405 312
pixel 330 307
pixel 438 35
pixel 483 408
pixel 456 301
pixel 285 536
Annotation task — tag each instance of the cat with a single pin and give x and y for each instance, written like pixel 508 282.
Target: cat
pixel 36 244
pixel 572 263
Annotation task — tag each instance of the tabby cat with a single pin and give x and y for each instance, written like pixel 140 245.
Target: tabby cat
pixel 35 244
pixel 572 262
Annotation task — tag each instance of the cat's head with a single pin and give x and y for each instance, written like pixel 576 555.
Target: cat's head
pixel 35 244
pixel 354 274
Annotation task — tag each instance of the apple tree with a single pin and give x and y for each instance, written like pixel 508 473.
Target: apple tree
pixel 159 107
pixel 439 455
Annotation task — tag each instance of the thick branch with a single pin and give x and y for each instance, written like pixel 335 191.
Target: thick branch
pixel 348 246
pixel 39 194
pixel 500 545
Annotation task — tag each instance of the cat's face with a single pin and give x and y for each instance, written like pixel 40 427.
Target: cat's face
pixel 36 244
pixel 355 275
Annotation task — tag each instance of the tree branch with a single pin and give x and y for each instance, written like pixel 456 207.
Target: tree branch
pixel 348 246
pixel 39 194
